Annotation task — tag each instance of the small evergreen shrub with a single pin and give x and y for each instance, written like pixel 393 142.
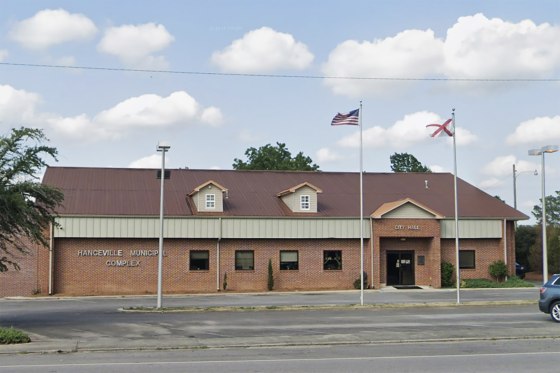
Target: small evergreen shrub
pixel 498 270
pixel 270 283
pixel 224 284
pixel 447 274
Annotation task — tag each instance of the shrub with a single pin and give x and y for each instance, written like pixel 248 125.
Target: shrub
pixel 270 283
pixel 12 336
pixel 357 282
pixel 479 283
pixel 447 274
pixel 498 270
pixel 224 284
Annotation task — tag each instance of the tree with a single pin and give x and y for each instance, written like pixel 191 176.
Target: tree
pixel 404 162
pixel 277 157
pixel 525 238
pixel 27 207
pixel 552 210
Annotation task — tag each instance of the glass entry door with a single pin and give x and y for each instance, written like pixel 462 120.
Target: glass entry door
pixel 400 268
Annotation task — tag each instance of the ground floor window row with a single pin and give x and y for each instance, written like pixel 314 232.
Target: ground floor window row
pixel 199 260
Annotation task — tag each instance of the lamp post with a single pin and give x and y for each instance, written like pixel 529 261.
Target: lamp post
pixel 542 151
pixel 162 147
pixel 515 174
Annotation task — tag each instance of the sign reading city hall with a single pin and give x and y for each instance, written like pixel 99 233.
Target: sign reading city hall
pixel 119 254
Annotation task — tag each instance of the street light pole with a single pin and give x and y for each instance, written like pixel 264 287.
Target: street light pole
pixel 541 152
pixel 515 173
pixel 162 147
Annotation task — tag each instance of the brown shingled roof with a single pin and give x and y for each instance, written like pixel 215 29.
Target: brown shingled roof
pixel 135 192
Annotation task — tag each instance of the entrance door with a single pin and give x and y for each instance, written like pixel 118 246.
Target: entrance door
pixel 400 268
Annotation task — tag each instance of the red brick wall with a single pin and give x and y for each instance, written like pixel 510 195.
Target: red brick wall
pixel 486 252
pixel 25 281
pixel 408 235
pixel 90 275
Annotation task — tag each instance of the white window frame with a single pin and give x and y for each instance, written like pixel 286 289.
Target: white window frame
pixel 305 202
pixel 210 203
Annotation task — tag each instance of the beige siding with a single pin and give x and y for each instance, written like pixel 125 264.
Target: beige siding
pixel 135 227
pixel 292 200
pixel 408 211
pixel 472 228
pixel 199 199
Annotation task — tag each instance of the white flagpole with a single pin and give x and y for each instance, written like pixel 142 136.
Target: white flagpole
pixel 361 212
pixel 457 269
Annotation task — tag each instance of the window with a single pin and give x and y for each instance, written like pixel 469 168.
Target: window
pixel 289 260
pixel 199 260
pixel 245 260
pixel 304 202
pixel 467 259
pixel 210 201
pixel 332 260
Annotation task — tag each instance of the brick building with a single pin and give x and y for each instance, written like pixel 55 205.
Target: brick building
pixel 225 226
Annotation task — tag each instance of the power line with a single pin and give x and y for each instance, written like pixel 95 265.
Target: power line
pixel 209 73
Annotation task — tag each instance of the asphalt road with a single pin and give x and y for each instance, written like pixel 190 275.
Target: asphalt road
pixel 396 331
pixel 461 356
pixel 94 323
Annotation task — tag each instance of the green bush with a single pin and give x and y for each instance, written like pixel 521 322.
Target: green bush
pixel 480 283
pixel 447 270
pixel 13 336
pixel 498 270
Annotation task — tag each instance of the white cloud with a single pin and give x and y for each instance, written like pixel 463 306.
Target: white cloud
pixel 409 54
pixel 404 133
pixel 151 110
pixel 263 50
pixel 212 116
pixel 325 155
pixel 51 27
pixel 143 112
pixel 537 130
pixel 464 137
pixel 18 107
pixel 437 168
pixel 476 47
pixel 503 166
pixel 151 161
pixel 491 183
pixel 3 54
pixel 135 45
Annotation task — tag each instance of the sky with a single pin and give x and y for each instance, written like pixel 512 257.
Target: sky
pixel 106 80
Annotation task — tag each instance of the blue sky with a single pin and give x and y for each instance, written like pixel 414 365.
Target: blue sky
pixel 114 118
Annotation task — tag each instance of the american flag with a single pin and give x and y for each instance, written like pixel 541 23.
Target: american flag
pixel 352 118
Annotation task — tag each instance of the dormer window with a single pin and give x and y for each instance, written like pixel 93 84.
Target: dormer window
pixel 209 197
pixel 304 202
pixel 210 201
pixel 301 198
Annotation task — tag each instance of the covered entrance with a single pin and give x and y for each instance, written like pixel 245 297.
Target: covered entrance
pixel 400 268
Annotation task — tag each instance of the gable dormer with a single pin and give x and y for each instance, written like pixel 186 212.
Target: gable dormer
pixel 405 209
pixel 301 198
pixel 209 197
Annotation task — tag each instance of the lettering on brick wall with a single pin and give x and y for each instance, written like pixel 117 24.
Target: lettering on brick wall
pixel 400 227
pixel 120 263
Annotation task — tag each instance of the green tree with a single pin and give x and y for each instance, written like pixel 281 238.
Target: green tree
pixel 27 207
pixel 552 210
pixel 404 162
pixel 277 157
pixel 525 238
